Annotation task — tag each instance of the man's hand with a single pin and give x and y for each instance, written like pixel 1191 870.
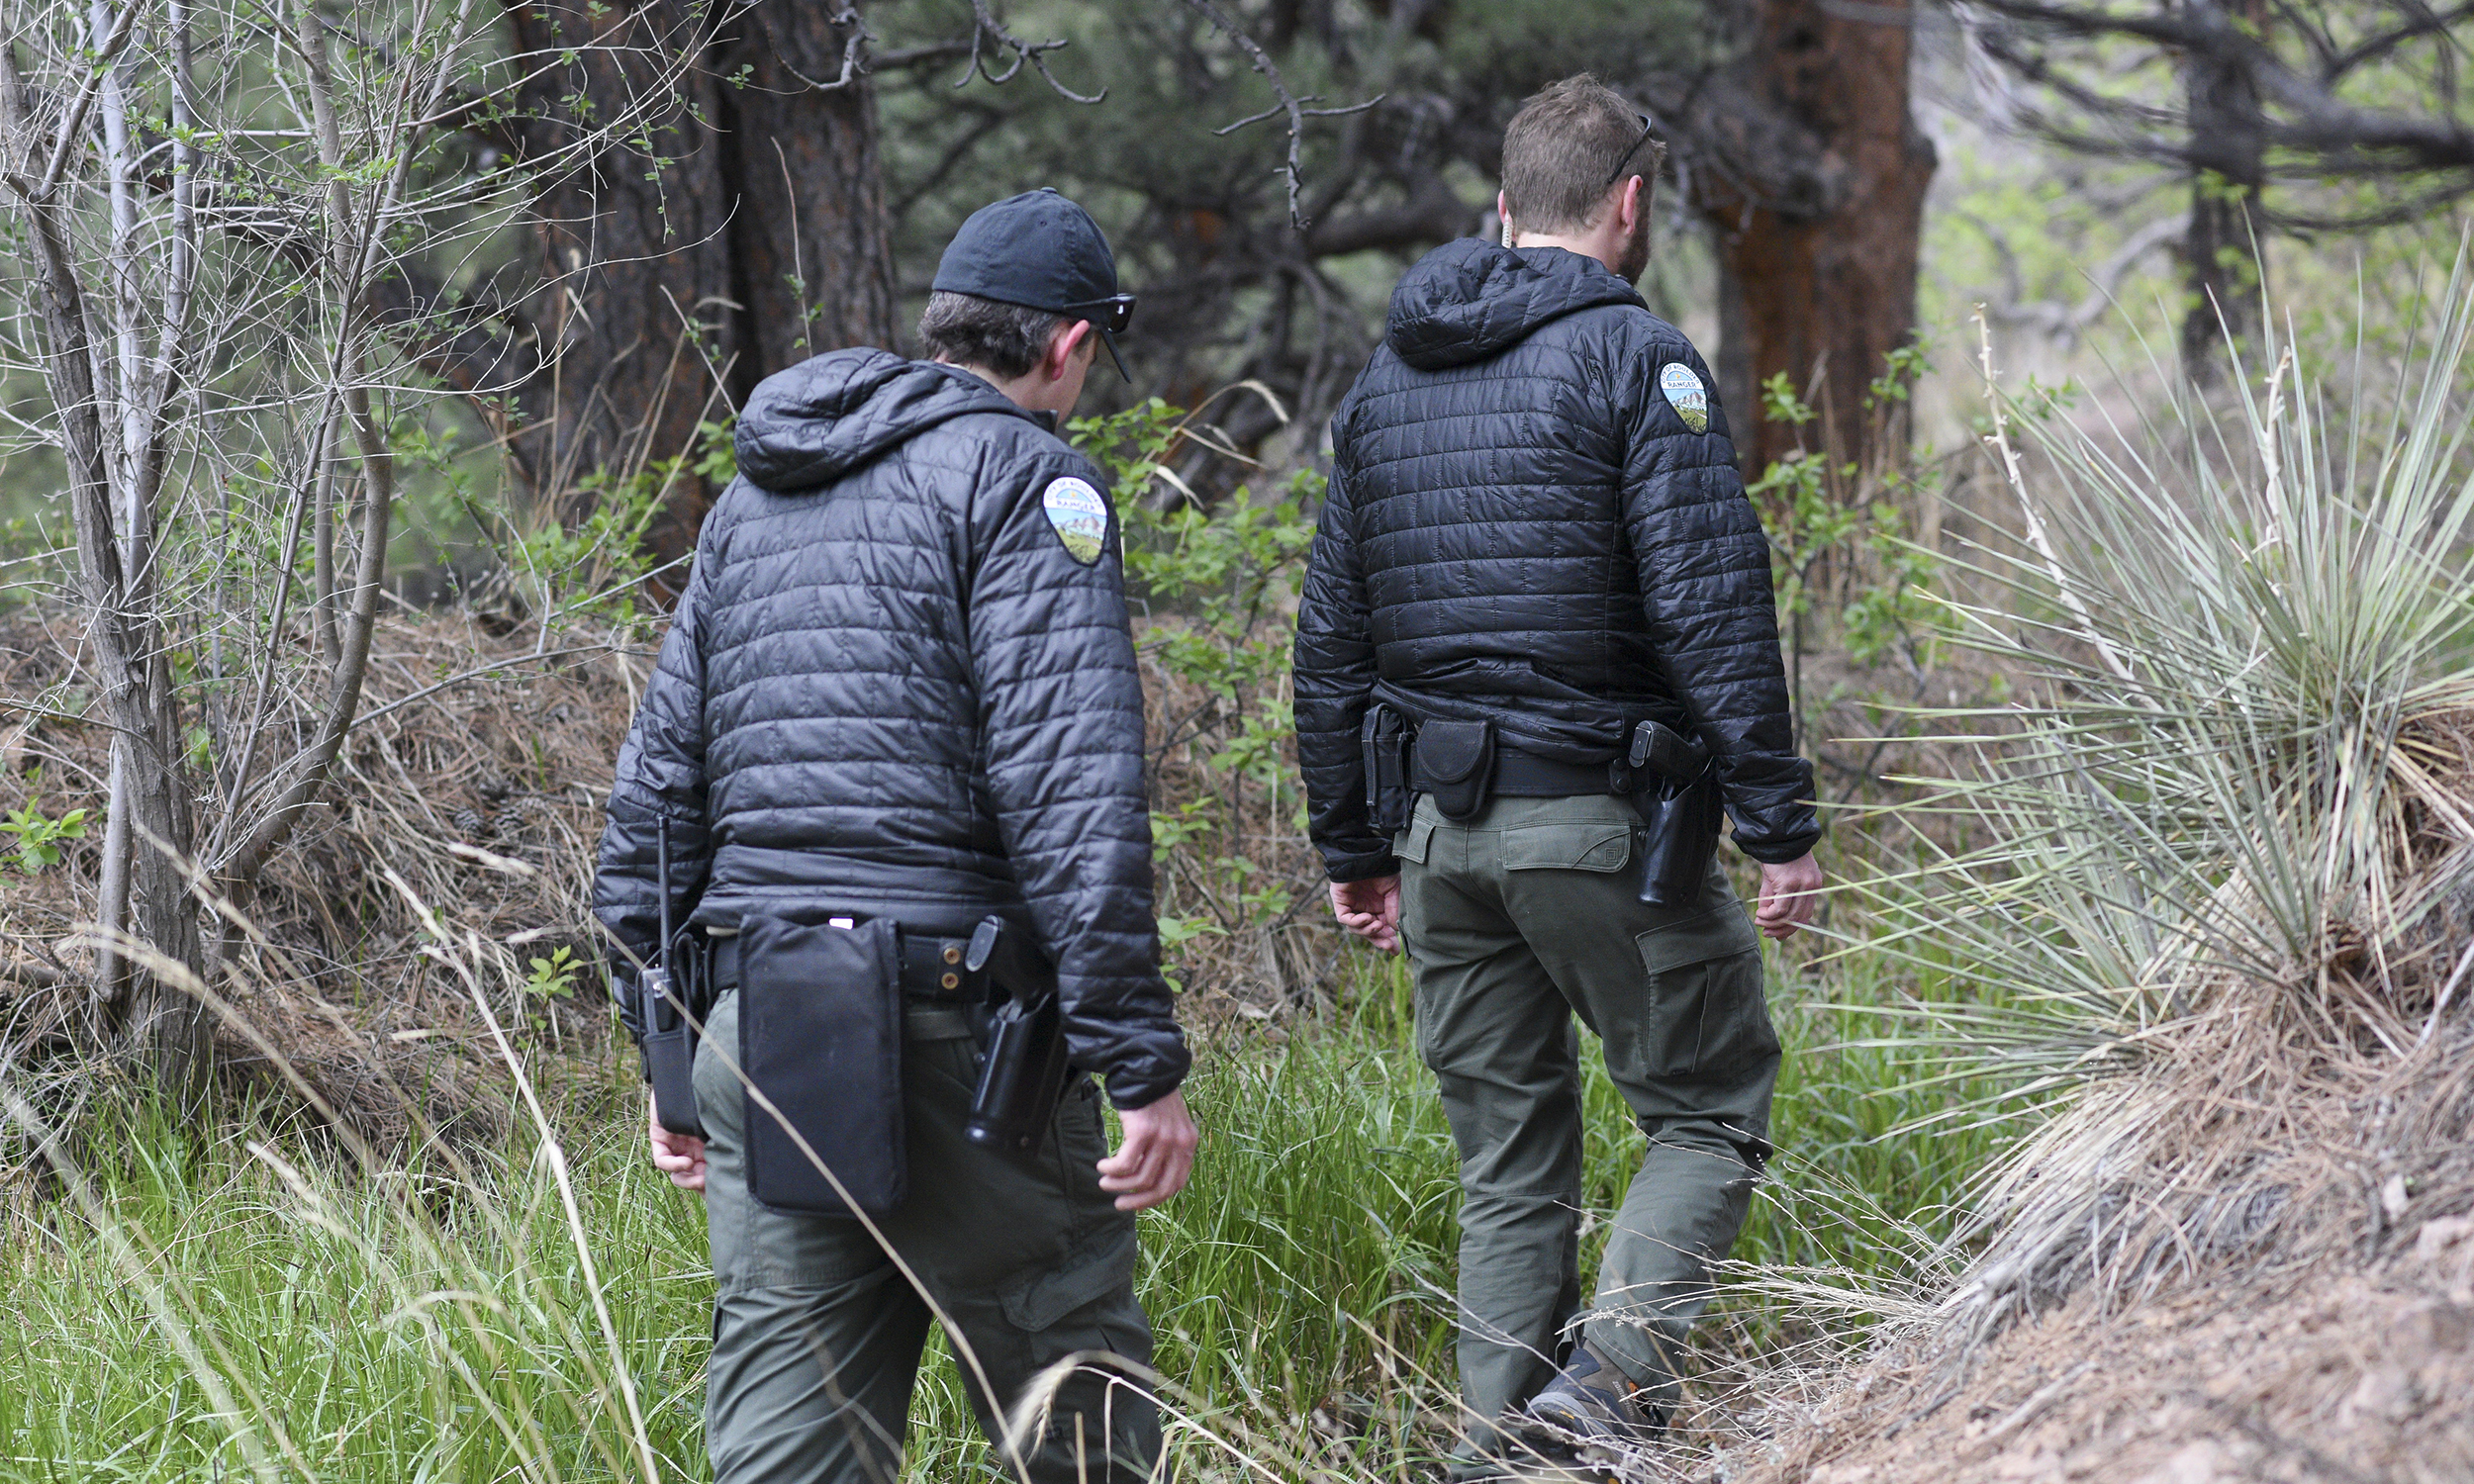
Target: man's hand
pixel 1154 1157
pixel 1788 896
pixel 675 1155
pixel 1370 908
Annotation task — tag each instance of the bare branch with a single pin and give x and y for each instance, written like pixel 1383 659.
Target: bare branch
pixel 987 25
pixel 1431 214
pixel 855 51
pixel 73 122
pixel 988 40
pixel 2307 131
pixel 1289 106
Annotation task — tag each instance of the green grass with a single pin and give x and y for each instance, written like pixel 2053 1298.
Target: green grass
pixel 438 1324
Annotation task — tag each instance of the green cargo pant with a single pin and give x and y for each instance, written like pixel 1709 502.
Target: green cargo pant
pixel 1519 919
pixel 818 1336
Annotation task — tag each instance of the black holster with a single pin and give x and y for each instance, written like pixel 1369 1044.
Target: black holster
pixel 1022 1060
pixel 1680 807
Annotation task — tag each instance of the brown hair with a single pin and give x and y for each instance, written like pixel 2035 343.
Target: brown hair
pixel 969 331
pixel 1567 147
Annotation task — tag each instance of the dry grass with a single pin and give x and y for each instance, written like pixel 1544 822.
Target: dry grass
pixel 1247 876
pixel 479 775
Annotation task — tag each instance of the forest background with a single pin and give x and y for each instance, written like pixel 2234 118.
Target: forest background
pixel 410 336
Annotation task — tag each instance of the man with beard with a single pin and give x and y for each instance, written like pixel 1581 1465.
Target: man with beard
pixel 1538 644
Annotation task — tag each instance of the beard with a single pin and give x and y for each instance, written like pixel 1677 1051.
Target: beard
pixel 1635 259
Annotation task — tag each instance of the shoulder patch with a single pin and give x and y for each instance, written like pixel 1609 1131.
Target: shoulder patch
pixel 1079 516
pixel 1685 394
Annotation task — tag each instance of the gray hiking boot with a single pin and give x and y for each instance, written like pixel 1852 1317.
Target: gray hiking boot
pixel 1590 1401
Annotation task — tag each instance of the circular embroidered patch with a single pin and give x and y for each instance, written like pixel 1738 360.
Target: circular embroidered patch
pixel 1079 516
pixel 1685 394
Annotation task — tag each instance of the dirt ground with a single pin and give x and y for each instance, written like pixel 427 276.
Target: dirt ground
pixel 2283 1379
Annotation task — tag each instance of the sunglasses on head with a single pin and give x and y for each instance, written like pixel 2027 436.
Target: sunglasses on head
pixel 1647 129
pixel 1112 314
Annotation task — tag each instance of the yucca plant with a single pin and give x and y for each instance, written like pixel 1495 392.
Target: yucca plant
pixel 2227 820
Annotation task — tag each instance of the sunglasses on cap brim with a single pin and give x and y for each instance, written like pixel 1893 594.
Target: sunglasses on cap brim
pixel 1112 314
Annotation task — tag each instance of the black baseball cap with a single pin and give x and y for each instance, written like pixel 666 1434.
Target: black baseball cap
pixel 1042 251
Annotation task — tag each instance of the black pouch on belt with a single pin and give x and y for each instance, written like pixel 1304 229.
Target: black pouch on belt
pixel 1385 743
pixel 1455 761
pixel 821 1022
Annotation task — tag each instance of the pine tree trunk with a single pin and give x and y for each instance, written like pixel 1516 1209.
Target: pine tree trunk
pixel 1825 290
pixel 749 235
pixel 2222 268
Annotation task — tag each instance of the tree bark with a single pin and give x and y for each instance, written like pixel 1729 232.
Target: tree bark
pixel 2220 263
pixel 1822 288
pixel 749 235
pixel 162 1024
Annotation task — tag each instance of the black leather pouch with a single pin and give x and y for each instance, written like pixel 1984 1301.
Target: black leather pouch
pixel 821 1039
pixel 1385 741
pixel 1455 764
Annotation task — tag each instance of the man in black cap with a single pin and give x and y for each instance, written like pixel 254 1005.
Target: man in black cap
pixel 900 684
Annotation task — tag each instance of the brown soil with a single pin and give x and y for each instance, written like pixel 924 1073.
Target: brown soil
pixel 2365 1376
pixel 2247 1254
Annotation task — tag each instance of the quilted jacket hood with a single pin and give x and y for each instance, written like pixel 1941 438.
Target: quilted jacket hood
pixel 1471 299
pixel 833 414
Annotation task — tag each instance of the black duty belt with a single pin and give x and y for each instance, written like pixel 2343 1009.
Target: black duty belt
pixel 1520 775
pixel 931 969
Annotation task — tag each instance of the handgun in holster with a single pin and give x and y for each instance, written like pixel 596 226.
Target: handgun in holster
pixel 1675 789
pixel 668 1009
pixel 1022 1062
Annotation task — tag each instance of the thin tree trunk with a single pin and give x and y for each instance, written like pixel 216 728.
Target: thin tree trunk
pixel 323 544
pixel 356 263
pixel 112 901
pixel 162 1025
pixel 1823 295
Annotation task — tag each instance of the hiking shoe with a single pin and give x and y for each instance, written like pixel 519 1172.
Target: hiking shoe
pixel 1589 1401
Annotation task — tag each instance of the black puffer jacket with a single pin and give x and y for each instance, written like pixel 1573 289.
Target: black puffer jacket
pixel 891 689
pixel 1535 516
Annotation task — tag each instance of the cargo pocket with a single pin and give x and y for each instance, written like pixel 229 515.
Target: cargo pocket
pixel 1708 1014
pixel 1097 1271
pixel 1411 844
pixel 1599 846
